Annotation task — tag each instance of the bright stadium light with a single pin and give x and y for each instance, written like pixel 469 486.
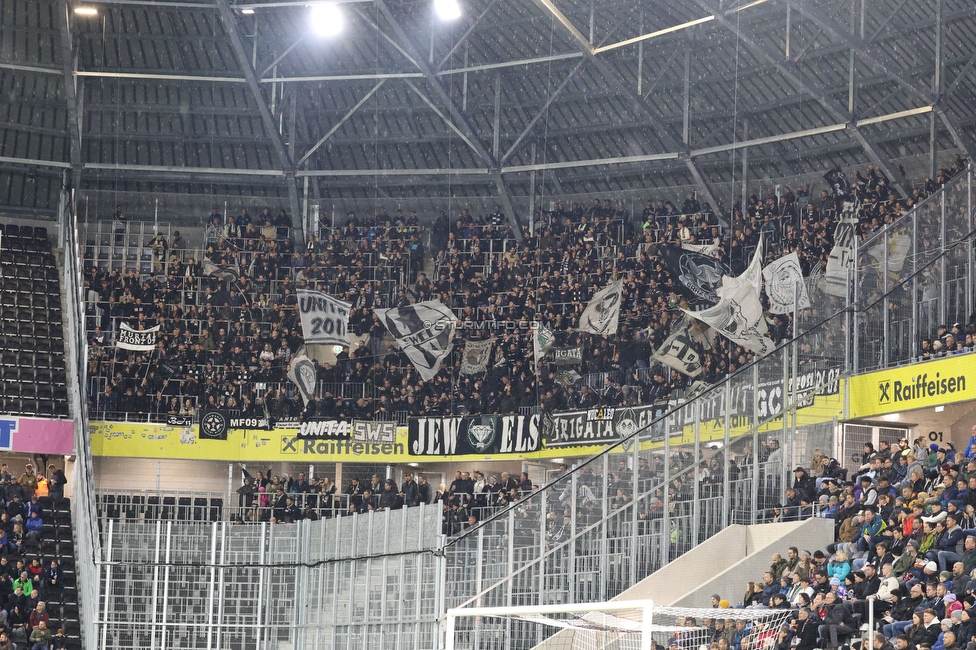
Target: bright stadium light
pixel 86 11
pixel 326 19
pixel 447 10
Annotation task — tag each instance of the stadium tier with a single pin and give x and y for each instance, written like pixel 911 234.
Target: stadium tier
pixel 487 325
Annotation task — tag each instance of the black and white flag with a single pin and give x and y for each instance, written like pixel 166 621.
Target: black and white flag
pixel 838 182
pixel 602 315
pixel 697 277
pixel 738 316
pixel 785 287
pixel 475 358
pixel 303 374
pixel 425 332
pixel 226 273
pixel 325 319
pixel 542 341
pixel 678 352
pixel 140 340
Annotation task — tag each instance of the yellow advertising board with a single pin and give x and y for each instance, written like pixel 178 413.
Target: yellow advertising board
pixel 135 440
pixel 934 383
pixel 141 440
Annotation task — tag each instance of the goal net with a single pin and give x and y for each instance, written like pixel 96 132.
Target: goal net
pixel 624 625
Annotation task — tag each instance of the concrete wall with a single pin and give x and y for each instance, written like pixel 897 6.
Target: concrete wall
pixel 726 562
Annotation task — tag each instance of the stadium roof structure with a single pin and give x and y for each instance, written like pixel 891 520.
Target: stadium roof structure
pixel 240 97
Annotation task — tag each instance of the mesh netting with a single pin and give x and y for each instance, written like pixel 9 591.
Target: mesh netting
pixel 670 628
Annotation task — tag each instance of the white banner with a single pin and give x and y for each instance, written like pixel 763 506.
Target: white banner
pixel 475 358
pixel 425 332
pixel 899 246
pixel 705 249
pixel 325 319
pixel 602 315
pixel 678 352
pixel 785 287
pixel 841 259
pixel 139 340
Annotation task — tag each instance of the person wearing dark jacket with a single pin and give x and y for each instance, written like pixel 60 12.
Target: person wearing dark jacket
pixel 805 485
pixel 837 621
pixel 806 629
pixel 931 628
pixel 410 491
pixel 881 643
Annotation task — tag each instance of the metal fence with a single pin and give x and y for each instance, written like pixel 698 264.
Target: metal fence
pixel 86 541
pixel 913 276
pixel 351 582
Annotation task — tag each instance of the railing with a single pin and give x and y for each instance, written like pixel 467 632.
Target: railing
pixel 83 516
pixel 187 584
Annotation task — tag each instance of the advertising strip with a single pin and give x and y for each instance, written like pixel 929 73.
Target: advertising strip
pixel 934 383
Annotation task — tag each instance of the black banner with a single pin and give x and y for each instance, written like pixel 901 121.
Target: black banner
pixel 597 426
pixel 214 425
pixel 567 356
pixel 477 434
pixel 696 276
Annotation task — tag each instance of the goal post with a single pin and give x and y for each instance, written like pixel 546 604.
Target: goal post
pixel 618 625
pixel 623 625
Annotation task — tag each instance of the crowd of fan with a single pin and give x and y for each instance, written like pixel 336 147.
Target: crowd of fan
pixel 905 548
pixel 228 326
pixel 25 583
pixel 959 339
pixel 470 498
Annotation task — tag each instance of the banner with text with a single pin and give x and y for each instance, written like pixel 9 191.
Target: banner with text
pixel 477 434
pixel 597 426
pixel 934 383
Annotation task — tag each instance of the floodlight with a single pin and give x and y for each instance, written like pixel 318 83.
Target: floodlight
pixel 447 10
pixel 326 19
pixel 247 11
pixel 86 11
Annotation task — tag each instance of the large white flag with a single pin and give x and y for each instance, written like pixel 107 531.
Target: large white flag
pixel 602 315
pixel 542 341
pixel 785 286
pixel 752 276
pixel 841 259
pixel 303 374
pixel 325 319
pixel 425 332
pixel 678 352
pixel 738 316
pixel 140 340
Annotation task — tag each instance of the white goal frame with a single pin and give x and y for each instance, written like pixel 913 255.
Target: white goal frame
pixel 646 606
